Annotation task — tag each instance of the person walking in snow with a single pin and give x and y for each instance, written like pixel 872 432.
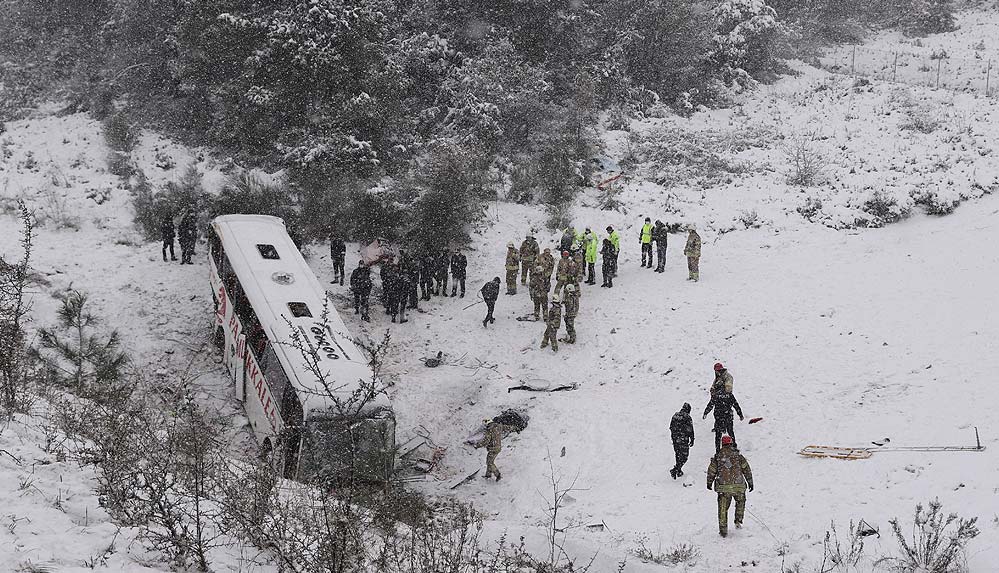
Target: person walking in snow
pixel 660 234
pixel 490 292
pixel 554 321
pixel 723 403
pixel 645 240
pixel 723 381
pixel 512 267
pixel 187 237
pixel 167 233
pixel 570 302
pixel 338 252
pixel 492 440
pixel 459 265
pixel 529 251
pixel 540 285
pixel 608 254
pixel 681 431
pixel 615 240
pixel 592 245
pixel 730 476
pixel 692 250
pixel 360 285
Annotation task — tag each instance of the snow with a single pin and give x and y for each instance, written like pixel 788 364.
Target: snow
pixel 835 335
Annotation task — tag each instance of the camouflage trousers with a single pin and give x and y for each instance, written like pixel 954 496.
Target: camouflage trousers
pixel 724 501
pixel 551 336
pixel 491 468
pixel 541 306
pixel 527 269
pixel 511 281
pixel 693 267
pixel 570 329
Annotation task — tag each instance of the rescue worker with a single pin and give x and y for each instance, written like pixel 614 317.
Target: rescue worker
pixel 567 272
pixel 645 240
pixel 512 267
pixel 554 321
pixel 592 245
pixel 540 285
pixel 360 285
pixel 167 233
pixel 681 431
pixel 548 262
pixel 570 301
pixel 459 265
pixel 615 240
pixel 490 292
pixel 492 440
pixel 722 403
pixel 442 265
pixel 731 476
pixel 568 236
pixel 529 251
pixel 187 237
pixel 608 254
pixel 579 258
pixel 338 251
pixel 660 235
pixel 692 251
pixel 723 380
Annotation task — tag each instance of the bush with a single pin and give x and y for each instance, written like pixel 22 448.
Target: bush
pixel 884 208
pixel 750 219
pixel 806 162
pixel 811 208
pixel 119 133
pixel 685 553
pixel 934 204
pixel 247 194
pixel 450 191
pixel 120 164
pixel 922 119
pixel 935 547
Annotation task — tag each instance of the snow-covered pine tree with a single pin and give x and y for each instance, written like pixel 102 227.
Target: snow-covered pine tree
pixel 930 17
pixel 746 40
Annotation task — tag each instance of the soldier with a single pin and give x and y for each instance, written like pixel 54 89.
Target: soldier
pixel 570 300
pixel 645 240
pixel 490 292
pixel 608 263
pixel 554 321
pixel 540 285
pixel 188 236
pixel 723 380
pixel 548 262
pixel 723 403
pixel 167 233
pixel 659 236
pixel 731 476
pixel 512 267
pixel 615 240
pixel 443 262
pixel 567 272
pixel 529 251
pixel 592 245
pixel 681 431
pixel 360 285
pixel 492 440
pixel 338 252
pixel 459 264
pixel 692 251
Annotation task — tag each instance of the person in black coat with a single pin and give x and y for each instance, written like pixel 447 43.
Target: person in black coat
pixel 723 403
pixel 681 430
pixel 167 233
pixel 338 251
pixel 426 275
pixel 459 264
pixel 402 288
pixel 609 254
pixel 360 285
pixel 660 235
pixel 440 271
pixel 490 292
pixel 412 269
pixel 187 237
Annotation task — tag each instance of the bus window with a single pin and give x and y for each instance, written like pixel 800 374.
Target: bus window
pixel 256 338
pixel 215 246
pixel 274 374
pixel 299 309
pixel 268 252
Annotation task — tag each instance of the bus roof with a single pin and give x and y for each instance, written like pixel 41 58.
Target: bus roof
pixel 274 274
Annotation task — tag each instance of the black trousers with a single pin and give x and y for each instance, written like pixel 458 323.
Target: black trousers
pixel 361 304
pixel 682 451
pixel 490 306
pixel 338 269
pixel 647 253
pixel 186 252
pixel 591 269
pixel 458 281
pixel 723 427
pixel 413 302
pixel 608 269
pixel 168 244
pixel 661 253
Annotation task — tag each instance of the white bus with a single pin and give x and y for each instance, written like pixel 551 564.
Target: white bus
pixel 264 293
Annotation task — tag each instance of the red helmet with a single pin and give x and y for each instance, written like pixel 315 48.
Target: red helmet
pixel 565 253
pixel 726 440
pixel 718 366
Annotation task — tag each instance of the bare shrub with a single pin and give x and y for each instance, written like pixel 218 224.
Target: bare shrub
pixel 119 133
pixel 55 209
pixel 750 219
pixel 120 164
pixel 807 162
pixel 923 119
pixel 934 546
pixel 811 208
pixel 933 203
pixel 14 308
pixel 685 553
pixel 884 208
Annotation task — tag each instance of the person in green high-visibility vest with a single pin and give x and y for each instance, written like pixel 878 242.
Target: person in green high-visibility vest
pixel 615 240
pixel 592 247
pixel 645 237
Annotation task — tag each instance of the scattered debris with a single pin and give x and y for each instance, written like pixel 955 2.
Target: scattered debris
pixel 533 388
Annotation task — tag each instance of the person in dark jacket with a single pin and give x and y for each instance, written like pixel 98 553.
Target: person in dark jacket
pixel 459 264
pixel 360 285
pixel 490 292
pixel 412 269
pixel 723 403
pixel 441 267
pixel 426 275
pixel 402 291
pixel 681 431
pixel 609 254
pixel 338 251
pixel 384 273
pixel 660 235
pixel 187 236
pixel 167 233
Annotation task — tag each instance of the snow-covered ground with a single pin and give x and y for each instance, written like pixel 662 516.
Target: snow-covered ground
pixel 835 335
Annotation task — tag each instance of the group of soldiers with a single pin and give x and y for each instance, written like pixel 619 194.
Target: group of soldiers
pixel 186 233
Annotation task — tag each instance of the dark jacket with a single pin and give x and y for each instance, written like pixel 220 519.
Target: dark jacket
pixel 660 235
pixel 337 249
pixel 608 251
pixel 490 291
pixel 458 265
pixel 167 231
pixel 723 403
pixel 441 265
pixel 187 232
pixel 360 281
pixel 681 427
pixel 427 267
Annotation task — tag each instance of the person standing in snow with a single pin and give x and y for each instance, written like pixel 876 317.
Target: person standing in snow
pixel 411 267
pixel 645 240
pixel 570 300
pixel 512 267
pixel 529 251
pixel 615 240
pixel 402 288
pixel 490 292
pixel 567 272
pixel 426 274
pixel 659 236
pixel 608 254
pixel 540 285
pixel 442 266
pixel 338 252
pixel 167 233
pixel 492 440
pixel 187 237
pixel 360 285
pixel 692 250
pixel 459 264
pixel 554 321
pixel 548 263
pixel 723 403
pixel 723 380
pixel 568 237
pixel 681 431
pixel 730 475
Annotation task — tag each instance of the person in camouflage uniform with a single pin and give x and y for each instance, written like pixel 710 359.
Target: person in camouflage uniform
pixel 529 251
pixel 723 381
pixel 547 261
pixel 568 272
pixel 692 251
pixel 570 301
pixel 512 267
pixel 554 321
pixel 492 440
pixel 540 285
pixel 731 476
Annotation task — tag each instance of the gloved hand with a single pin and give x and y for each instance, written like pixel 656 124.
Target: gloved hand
pixel 741 418
pixel 709 487
pixel 750 487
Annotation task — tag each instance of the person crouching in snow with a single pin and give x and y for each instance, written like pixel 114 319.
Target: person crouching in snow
pixel 731 476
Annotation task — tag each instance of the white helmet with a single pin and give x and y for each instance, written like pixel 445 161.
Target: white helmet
pixel 510 246
pixel 556 299
pixel 570 288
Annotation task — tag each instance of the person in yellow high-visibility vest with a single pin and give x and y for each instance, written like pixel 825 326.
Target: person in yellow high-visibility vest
pixel 646 241
pixel 592 247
